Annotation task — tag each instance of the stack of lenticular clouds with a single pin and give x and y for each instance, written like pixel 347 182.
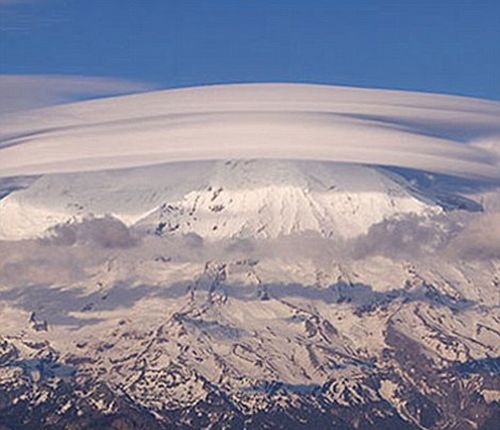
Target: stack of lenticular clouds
pixel 438 133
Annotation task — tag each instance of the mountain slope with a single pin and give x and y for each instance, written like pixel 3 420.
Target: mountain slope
pixel 169 322
pixel 262 199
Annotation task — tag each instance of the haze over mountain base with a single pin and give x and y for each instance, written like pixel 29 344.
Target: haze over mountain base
pixel 243 294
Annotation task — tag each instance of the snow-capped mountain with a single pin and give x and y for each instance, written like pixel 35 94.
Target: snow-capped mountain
pixel 247 294
pixel 219 200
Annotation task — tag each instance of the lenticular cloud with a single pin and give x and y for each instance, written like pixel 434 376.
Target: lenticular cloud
pixel 444 134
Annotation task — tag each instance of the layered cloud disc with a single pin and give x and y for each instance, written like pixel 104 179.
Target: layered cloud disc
pixel 445 134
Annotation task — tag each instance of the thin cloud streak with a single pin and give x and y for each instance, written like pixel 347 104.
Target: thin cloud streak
pixel 24 92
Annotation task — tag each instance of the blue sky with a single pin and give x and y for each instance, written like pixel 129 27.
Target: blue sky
pixel 441 46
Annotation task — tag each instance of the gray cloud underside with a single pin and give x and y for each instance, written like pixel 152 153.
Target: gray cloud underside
pixel 445 134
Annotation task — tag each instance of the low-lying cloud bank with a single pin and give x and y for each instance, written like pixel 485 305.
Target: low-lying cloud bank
pixel 73 252
pixel 445 134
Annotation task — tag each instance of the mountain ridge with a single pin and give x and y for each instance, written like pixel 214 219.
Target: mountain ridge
pixel 110 320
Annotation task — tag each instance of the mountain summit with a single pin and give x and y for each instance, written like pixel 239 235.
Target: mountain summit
pixel 220 200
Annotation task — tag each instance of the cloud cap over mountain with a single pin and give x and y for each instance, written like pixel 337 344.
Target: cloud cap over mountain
pixel 445 134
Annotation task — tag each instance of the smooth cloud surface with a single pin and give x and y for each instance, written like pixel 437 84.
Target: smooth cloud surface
pixel 445 134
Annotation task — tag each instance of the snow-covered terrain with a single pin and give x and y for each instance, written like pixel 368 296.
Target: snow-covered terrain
pixel 260 285
pixel 271 292
pixel 217 200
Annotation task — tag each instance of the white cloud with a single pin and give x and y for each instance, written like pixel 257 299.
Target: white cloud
pixel 22 92
pixel 480 239
pixel 432 132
